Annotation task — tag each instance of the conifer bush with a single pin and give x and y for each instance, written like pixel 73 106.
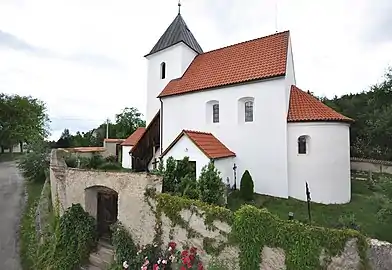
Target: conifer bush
pixel 247 186
pixel 210 185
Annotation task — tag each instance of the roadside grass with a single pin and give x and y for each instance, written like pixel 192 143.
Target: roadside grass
pixel 362 211
pixel 10 156
pixel 28 241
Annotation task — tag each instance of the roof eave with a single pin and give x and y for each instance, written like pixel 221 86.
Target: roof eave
pixel 222 157
pixel 174 44
pixel 223 85
pixel 348 121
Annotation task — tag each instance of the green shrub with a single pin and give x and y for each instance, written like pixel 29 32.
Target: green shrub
pixel 35 164
pixel 184 168
pixel 247 186
pixel 169 176
pixel 71 161
pixel 210 185
pixel 125 248
pixel 72 239
pixel 111 158
pixel 348 221
pixel 110 166
pixel 188 187
pixel 95 161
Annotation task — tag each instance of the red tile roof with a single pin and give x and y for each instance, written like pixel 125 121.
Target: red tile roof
pixel 87 149
pixel 206 142
pixel 113 140
pixel 251 60
pixel 305 107
pixel 135 137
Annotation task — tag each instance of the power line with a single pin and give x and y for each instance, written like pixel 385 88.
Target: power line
pixel 77 119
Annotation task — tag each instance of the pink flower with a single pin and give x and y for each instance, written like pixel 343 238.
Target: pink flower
pixel 155 267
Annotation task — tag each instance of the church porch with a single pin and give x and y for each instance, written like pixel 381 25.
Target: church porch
pixel 201 148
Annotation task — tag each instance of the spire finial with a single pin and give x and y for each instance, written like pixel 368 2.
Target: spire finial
pixel 179 6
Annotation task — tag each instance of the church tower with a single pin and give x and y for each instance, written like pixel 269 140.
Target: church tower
pixel 168 60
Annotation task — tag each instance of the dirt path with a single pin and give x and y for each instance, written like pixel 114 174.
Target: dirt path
pixel 11 195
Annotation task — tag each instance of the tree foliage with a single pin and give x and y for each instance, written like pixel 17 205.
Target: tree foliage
pixel 372 111
pixel 127 121
pixel 23 119
pixel 35 164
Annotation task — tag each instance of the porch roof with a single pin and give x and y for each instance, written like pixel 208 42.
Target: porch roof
pixel 206 142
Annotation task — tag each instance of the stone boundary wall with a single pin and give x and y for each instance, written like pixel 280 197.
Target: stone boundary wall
pixel 42 211
pixel 136 213
pixel 372 165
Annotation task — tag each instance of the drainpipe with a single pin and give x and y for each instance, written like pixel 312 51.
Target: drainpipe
pixel 161 124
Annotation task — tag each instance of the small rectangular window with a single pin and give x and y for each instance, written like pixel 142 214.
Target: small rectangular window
pixel 302 145
pixel 215 113
pixel 249 111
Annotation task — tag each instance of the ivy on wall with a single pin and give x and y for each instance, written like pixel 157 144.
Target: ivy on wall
pixel 254 228
pixel 172 206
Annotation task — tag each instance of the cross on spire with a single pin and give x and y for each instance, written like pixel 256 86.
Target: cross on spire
pixel 179 6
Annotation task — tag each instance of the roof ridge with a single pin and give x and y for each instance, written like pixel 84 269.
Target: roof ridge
pixel 197 132
pixel 243 42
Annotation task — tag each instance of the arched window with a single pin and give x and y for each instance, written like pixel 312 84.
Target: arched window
pixel 303 142
pixel 163 70
pixel 215 113
pixel 249 111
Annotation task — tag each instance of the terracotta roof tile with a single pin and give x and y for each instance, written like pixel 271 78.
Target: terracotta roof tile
pixel 305 107
pixel 206 142
pixel 251 60
pixel 134 137
pixel 113 140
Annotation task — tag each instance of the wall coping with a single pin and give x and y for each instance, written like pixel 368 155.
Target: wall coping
pixel 374 161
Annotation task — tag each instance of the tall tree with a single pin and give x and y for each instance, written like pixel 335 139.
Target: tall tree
pixel 128 121
pixel 23 119
pixel 65 140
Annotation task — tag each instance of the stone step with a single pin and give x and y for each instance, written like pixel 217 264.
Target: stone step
pixel 91 267
pixel 102 257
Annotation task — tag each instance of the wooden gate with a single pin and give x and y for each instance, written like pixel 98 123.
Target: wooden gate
pixel 106 213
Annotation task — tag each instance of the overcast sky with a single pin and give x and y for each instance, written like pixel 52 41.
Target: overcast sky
pixel 84 58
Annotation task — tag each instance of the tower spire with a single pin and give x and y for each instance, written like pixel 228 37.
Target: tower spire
pixel 179 7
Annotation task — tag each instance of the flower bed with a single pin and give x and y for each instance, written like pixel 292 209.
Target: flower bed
pixel 172 258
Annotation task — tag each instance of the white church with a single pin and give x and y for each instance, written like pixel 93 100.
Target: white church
pixel 240 107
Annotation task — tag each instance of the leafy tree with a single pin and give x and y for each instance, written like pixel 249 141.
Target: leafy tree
pixel 125 124
pixel 35 164
pixel 210 185
pixel 128 121
pixel 65 140
pixel 247 186
pixel 22 119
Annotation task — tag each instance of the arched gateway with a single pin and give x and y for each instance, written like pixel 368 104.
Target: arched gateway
pixel 102 203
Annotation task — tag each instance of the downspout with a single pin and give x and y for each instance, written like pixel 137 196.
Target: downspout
pixel 161 126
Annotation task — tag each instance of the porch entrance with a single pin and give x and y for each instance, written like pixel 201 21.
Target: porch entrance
pixel 107 211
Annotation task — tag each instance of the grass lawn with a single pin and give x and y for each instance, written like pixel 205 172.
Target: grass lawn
pixel 27 226
pixel 362 210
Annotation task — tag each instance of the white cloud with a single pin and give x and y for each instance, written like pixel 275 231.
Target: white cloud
pixel 97 47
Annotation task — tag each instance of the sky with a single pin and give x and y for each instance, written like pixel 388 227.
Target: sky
pixel 84 58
